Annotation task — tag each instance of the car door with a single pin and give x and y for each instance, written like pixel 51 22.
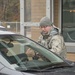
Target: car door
pixel 7 71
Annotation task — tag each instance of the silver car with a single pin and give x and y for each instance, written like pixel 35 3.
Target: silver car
pixel 3 28
pixel 20 55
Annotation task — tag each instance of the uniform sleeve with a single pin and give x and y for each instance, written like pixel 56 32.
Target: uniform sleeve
pixel 56 45
pixel 39 39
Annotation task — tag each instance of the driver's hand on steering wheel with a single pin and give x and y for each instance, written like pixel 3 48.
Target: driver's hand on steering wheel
pixel 30 53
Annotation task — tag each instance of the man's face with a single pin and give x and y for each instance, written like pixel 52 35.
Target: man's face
pixel 46 29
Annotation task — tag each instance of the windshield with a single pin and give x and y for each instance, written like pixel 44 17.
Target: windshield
pixel 25 54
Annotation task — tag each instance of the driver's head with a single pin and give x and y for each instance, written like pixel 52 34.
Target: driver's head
pixel 3 48
pixel 46 25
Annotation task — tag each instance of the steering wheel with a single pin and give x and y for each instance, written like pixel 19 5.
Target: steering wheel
pixel 23 58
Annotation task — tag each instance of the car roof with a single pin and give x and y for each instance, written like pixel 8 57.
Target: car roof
pixel 2 27
pixel 6 32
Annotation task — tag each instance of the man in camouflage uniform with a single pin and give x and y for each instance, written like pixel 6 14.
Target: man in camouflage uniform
pixel 50 37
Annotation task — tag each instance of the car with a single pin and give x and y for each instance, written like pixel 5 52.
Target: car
pixel 3 74
pixel 20 55
pixel 2 28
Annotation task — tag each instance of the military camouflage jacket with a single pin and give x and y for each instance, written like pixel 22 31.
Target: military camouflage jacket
pixel 54 42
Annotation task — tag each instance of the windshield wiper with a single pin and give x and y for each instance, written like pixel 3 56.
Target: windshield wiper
pixel 36 70
pixel 43 70
pixel 57 66
pixel 27 70
pixel 46 69
pixel 31 70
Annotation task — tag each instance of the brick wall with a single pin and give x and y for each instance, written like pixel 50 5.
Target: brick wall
pixel 71 56
pixel 38 10
pixel 56 12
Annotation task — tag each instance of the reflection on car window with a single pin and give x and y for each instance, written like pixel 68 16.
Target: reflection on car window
pixel 23 53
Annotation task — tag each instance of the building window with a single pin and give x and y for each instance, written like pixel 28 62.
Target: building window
pixel 68 20
pixel 9 10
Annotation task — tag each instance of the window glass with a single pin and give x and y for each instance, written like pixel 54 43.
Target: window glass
pixel 69 20
pixel 23 54
pixel 9 10
pixel 10 15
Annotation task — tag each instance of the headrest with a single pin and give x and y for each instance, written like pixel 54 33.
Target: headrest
pixel 3 44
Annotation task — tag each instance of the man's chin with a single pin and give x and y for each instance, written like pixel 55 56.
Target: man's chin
pixel 44 33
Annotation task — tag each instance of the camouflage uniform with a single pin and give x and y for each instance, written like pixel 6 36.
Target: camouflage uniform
pixel 54 42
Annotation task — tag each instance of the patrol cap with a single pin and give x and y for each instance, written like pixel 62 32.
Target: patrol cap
pixel 45 21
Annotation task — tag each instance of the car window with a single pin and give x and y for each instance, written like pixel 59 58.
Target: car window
pixel 23 53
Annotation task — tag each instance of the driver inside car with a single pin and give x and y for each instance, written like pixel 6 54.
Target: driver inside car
pixel 4 50
pixel 31 53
